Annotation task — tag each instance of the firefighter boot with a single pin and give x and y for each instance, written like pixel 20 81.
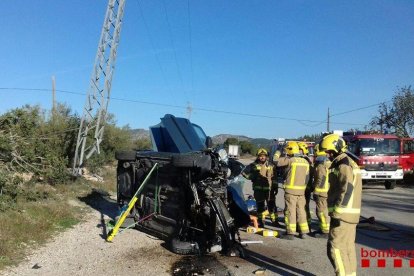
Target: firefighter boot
pixel 273 218
pixel 262 219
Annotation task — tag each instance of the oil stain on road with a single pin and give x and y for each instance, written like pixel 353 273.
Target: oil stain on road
pixel 199 265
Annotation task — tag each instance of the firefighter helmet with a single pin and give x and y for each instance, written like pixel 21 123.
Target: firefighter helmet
pixel 291 148
pixel 261 151
pixel 332 142
pixel 303 147
pixel 319 152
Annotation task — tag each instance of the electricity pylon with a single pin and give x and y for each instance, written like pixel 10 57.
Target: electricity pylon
pixel 97 99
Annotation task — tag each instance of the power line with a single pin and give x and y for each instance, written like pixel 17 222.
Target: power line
pixel 173 45
pixel 152 43
pixel 318 122
pixel 359 108
pixel 349 111
pixel 191 46
pixel 45 136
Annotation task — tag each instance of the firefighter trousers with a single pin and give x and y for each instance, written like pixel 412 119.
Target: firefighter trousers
pixel 308 193
pixel 322 213
pixel 295 208
pixel 341 247
pixel 265 199
pixel 272 203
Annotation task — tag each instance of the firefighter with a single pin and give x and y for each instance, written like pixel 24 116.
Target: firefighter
pixel 303 148
pixel 320 192
pixel 261 174
pixel 344 205
pixel 296 173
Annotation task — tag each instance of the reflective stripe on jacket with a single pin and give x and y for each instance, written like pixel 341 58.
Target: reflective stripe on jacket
pixel 296 174
pixel 321 180
pixel 344 195
pixel 261 175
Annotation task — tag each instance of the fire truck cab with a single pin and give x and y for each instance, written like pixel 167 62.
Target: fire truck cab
pixel 379 157
pixel 407 155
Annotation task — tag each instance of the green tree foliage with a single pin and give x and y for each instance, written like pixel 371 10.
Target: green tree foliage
pixel 231 141
pixel 38 146
pixel 142 144
pixel 247 148
pixel 34 143
pixel 310 137
pixel 114 139
pixel 398 116
pixel 42 144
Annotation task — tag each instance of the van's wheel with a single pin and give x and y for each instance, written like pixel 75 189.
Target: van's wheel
pixel 124 185
pixel 389 185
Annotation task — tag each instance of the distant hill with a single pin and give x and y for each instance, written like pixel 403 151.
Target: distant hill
pixel 259 142
pixel 140 133
pixel 262 142
pixel 221 138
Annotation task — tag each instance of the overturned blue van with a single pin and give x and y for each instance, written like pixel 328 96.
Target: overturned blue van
pixel 190 200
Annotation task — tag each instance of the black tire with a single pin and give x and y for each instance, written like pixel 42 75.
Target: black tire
pixel 181 247
pixel 389 185
pixel 125 155
pixel 185 160
pixel 124 184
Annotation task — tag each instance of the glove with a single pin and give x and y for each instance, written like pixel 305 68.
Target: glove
pixel 315 197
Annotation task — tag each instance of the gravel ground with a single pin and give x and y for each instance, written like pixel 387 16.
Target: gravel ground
pixel 82 250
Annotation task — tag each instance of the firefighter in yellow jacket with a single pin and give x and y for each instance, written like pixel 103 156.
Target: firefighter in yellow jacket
pixel 344 205
pixel 265 187
pixel 320 191
pixel 296 174
pixel 303 148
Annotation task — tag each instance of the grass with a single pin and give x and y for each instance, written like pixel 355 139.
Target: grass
pixel 36 218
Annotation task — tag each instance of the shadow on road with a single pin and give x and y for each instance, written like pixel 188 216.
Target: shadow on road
pixel 101 202
pixel 273 265
pixel 389 235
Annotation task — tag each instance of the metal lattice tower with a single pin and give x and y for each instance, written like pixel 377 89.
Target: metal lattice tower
pixel 95 109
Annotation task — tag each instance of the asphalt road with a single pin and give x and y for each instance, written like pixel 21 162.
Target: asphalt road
pixel 392 231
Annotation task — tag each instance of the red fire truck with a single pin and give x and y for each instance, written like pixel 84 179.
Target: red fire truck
pixel 407 155
pixel 379 157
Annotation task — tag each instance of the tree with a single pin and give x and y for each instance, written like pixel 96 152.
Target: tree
pixel 142 144
pixel 311 138
pixel 247 147
pixel 398 116
pixel 231 141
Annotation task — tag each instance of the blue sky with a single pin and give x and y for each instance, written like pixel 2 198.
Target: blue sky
pixel 290 59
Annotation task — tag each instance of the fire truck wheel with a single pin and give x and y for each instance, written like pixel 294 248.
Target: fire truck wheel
pixel 389 185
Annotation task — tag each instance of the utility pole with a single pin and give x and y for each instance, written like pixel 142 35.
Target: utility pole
pixel 97 99
pixel 189 110
pixel 53 96
pixel 327 121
